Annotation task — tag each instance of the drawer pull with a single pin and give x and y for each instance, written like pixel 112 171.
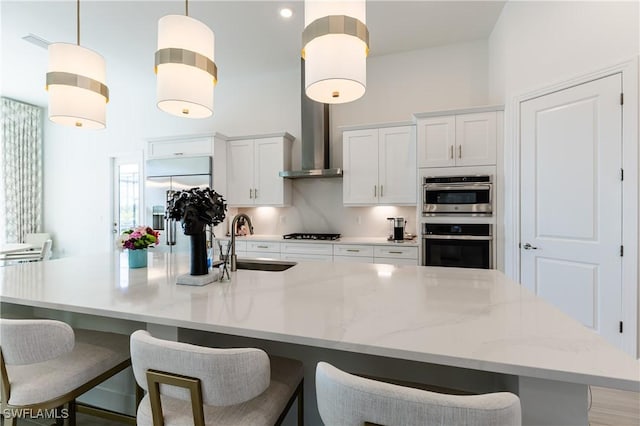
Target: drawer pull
pixel 395 252
pixel 262 246
pixel 354 250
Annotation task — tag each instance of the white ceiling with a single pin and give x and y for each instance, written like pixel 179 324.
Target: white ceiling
pixel 251 37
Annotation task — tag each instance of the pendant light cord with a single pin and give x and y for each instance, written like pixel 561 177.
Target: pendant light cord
pixel 78 21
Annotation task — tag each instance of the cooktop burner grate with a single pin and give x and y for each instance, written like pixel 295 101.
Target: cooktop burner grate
pixel 310 236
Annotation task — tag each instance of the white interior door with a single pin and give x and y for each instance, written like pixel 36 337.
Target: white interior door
pixel 571 202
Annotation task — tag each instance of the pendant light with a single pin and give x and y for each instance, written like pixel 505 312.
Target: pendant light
pixel 185 67
pixel 76 78
pixel 335 47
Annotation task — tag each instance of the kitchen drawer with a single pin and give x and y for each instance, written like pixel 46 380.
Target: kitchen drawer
pixel 353 259
pixel 396 261
pixel 396 252
pixel 307 248
pixel 301 257
pixel 352 250
pixel 263 246
pixel 261 254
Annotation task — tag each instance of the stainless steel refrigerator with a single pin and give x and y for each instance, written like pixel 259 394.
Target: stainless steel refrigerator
pixel 163 177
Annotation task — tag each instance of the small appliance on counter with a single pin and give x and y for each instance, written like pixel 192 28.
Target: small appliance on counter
pixel 397 234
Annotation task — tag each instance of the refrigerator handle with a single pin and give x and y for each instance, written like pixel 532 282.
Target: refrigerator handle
pixel 171 232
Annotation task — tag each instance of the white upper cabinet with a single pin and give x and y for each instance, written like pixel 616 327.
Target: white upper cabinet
pixel 187 146
pixel 252 171
pixel 379 166
pixel 457 140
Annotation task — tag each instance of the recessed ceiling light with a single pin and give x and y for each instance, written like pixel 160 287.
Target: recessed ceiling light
pixel 285 12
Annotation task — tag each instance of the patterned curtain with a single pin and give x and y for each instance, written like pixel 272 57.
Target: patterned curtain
pixel 20 170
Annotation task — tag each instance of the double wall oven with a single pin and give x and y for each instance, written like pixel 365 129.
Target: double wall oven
pixel 453 239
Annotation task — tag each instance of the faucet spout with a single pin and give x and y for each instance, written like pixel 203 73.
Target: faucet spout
pixel 234 258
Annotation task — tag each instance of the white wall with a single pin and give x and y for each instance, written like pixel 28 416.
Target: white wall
pixel 77 168
pixel 534 43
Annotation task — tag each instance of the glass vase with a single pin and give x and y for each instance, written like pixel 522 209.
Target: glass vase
pixel 138 258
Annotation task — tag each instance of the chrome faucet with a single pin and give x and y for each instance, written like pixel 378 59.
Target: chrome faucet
pixel 234 258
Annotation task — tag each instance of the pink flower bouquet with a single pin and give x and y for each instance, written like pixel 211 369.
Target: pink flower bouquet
pixel 139 238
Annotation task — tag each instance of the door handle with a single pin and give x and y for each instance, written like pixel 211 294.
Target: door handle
pixel 255 192
pixel 250 193
pixel 382 190
pixel 375 190
pixel 451 152
pixel 459 151
pixel 528 246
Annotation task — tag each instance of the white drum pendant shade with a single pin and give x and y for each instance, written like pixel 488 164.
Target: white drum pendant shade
pixel 184 86
pixel 78 94
pixel 335 63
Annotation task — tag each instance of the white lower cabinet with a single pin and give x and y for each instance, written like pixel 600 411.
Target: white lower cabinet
pixel 352 253
pixel 319 252
pixel 396 255
pixel 241 248
pixel 323 252
pixel 263 249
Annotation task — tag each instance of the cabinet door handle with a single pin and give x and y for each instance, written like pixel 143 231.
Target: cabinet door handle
pixel 354 250
pixel 459 151
pixel 451 152
pixel 395 252
pixel 382 190
pixel 178 153
pixel 255 192
pixel 262 246
pixel 250 193
pixel 375 190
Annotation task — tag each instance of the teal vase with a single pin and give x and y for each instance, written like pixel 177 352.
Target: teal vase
pixel 138 258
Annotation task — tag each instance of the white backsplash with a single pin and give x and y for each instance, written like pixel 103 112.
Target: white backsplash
pixel 317 207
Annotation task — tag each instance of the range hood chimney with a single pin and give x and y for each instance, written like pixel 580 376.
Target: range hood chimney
pixel 315 139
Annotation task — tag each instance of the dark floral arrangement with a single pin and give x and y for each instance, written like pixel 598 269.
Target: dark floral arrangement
pixel 139 238
pixel 207 204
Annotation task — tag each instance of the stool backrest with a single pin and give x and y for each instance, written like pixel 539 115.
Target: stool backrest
pixel 348 400
pixel 31 341
pixel 228 376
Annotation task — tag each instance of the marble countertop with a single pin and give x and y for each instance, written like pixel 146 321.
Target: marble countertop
pixel 341 240
pixel 469 318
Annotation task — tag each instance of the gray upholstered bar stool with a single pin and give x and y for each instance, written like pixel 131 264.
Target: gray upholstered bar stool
pixel 46 364
pixel 189 384
pixel 348 400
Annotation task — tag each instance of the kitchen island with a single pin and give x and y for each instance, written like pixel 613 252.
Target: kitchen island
pixel 474 324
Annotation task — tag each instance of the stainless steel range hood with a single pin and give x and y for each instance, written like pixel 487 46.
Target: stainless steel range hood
pixel 315 140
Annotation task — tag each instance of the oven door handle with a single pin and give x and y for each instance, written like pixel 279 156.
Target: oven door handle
pixel 458 237
pixel 455 187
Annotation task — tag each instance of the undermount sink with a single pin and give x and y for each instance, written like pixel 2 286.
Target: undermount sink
pixel 264 265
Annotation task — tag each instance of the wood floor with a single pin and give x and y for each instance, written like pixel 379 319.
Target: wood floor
pixel 609 407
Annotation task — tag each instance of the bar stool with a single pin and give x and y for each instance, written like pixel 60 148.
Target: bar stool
pixel 189 384
pixel 348 400
pixel 45 365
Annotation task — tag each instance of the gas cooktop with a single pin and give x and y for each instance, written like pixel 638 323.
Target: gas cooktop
pixel 310 236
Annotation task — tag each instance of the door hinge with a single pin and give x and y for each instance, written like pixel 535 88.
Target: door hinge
pixel 621 98
pixel 621 174
pixel 621 327
pixel 621 251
